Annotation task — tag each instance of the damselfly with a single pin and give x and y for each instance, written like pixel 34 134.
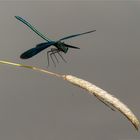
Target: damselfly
pixel 59 45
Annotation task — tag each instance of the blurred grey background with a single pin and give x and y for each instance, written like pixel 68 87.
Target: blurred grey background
pixel 35 106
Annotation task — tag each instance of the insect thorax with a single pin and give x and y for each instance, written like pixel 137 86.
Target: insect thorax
pixel 61 46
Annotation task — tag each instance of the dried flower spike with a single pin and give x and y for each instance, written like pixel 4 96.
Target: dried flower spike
pixel 104 96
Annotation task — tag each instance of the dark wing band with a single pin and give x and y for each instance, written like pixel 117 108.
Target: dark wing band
pixel 33 51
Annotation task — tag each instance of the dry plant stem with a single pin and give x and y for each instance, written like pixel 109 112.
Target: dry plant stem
pixel 102 95
pixel 30 67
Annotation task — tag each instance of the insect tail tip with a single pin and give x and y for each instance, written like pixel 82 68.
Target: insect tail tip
pixel 17 17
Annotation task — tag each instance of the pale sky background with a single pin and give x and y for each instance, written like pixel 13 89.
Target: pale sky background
pixel 35 106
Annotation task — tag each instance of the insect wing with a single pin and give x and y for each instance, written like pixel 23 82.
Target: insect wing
pixel 71 36
pixel 47 44
pixel 32 28
pixel 69 46
pixel 33 51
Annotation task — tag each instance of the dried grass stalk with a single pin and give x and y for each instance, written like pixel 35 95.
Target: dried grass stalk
pixel 102 95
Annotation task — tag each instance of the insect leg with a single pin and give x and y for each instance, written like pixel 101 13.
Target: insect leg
pixel 58 51
pixel 54 51
pixel 48 57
